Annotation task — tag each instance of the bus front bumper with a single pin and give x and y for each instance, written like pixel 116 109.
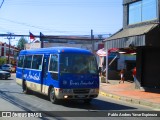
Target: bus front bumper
pixel 76 93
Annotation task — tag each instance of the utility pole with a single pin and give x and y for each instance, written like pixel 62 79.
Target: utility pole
pixel 9 37
pixel 41 39
pixel 92 40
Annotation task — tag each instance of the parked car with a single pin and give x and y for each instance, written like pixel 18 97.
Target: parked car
pixel 4 74
pixel 9 68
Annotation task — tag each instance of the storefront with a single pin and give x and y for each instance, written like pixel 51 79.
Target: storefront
pixel 144 37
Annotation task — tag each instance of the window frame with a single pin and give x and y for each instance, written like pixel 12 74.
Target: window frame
pixel 22 61
pixel 142 20
pixel 41 61
pixel 91 64
pixel 25 62
pixel 50 63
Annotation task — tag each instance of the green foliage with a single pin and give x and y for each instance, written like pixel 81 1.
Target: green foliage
pixel 2 61
pixel 21 43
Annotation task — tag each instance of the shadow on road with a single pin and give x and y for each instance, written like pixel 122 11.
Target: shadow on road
pixel 10 92
pixel 96 104
pixel 84 109
pixel 6 79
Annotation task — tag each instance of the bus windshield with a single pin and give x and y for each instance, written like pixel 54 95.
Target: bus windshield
pixel 78 63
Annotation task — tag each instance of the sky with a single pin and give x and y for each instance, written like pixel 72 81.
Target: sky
pixel 60 17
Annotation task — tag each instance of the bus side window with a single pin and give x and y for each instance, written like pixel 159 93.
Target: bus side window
pixel 27 62
pixel 53 63
pixel 20 61
pixel 37 62
pixel 53 67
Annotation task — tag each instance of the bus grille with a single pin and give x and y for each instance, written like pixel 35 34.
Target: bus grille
pixel 81 91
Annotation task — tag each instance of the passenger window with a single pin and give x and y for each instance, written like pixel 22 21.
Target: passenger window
pixel 20 61
pixel 53 66
pixel 27 63
pixel 37 62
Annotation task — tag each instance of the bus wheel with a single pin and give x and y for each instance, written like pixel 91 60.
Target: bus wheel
pixel 87 101
pixel 52 96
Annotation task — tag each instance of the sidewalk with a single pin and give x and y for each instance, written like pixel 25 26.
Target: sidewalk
pixel 126 91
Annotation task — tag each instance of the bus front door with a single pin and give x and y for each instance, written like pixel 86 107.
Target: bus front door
pixel 44 75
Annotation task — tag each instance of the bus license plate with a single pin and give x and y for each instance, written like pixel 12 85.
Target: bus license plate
pixel 81 96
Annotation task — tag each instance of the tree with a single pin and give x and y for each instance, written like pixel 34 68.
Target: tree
pixel 21 43
pixel 2 61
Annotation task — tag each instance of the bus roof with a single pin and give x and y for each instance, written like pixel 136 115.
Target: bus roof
pixel 55 50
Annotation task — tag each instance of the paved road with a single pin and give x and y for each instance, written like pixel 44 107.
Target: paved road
pixel 12 99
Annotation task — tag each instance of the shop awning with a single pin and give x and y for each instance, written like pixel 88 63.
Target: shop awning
pixel 130 36
pixel 101 52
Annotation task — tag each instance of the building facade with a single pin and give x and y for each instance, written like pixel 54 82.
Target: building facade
pixel 10 57
pixel 141 32
pixel 68 41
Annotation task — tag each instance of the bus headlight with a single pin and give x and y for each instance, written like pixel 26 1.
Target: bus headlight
pixel 94 90
pixel 65 96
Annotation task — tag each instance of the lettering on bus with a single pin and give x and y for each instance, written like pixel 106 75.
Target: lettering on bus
pixel 35 76
pixel 81 83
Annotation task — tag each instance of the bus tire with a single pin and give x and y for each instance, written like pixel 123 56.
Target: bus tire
pixel 87 101
pixel 52 96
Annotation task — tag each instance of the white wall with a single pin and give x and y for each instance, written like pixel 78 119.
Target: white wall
pixel 32 45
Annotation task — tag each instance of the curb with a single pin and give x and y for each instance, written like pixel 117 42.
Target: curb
pixel 131 100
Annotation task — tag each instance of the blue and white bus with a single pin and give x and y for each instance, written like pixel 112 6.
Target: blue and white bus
pixel 59 73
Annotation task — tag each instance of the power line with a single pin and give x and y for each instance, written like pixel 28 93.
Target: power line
pixel 68 3
pixel 24 24
pixel 43 29
pixel 54 27
pixel 1 3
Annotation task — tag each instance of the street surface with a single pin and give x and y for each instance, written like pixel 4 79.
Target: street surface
pixel 13 99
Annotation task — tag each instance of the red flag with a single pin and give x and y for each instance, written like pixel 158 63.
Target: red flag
pixel 31 36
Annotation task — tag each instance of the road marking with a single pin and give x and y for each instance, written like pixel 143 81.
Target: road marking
pixel 10 84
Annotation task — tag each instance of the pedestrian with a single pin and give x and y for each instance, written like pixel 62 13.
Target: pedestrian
pixel 137 84
pixel 100 70
pixel 122 72
pixel 104 67
pixel 134 74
